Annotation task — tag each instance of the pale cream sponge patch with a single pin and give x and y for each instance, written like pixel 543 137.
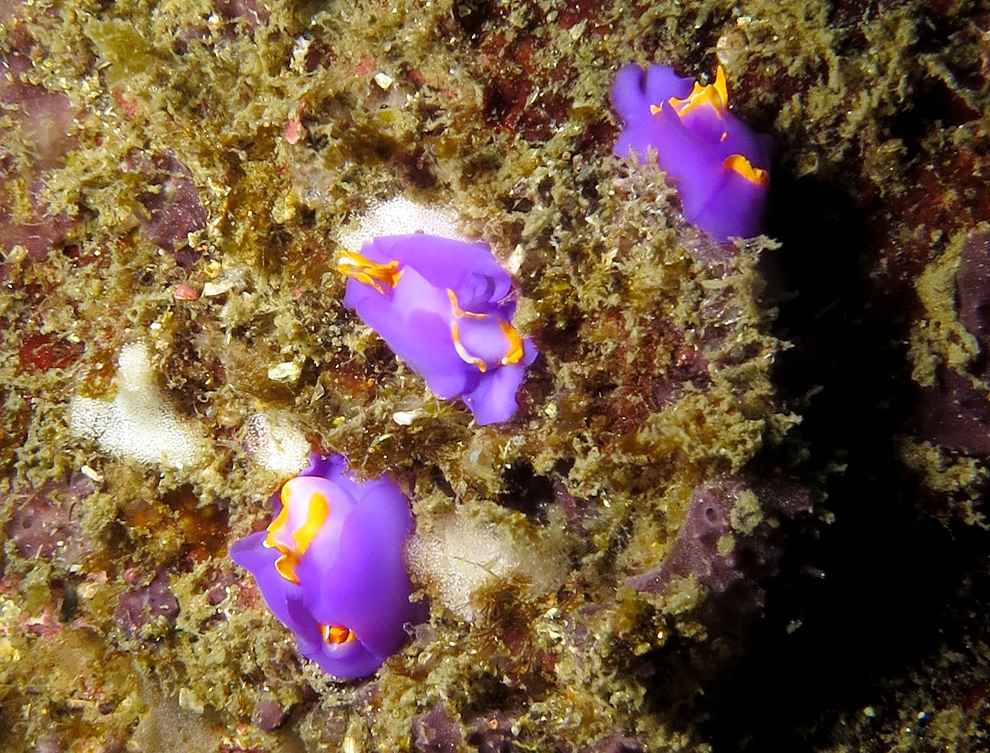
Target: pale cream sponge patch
pixel 139 422
pixel 461 554
pixel 400 216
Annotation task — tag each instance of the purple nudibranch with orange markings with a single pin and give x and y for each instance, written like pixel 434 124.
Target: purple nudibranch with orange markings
pixel 444 306
pixel 330 566
pixel 721 168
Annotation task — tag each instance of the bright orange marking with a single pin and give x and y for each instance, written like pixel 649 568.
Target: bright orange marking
pixel 281 520
pixel 714 95
pixel 458 311
pixel 362 269
pixel 455 335
pixel 741 165
pixel 316 516
pixel 515 353
pixel 336 634
pixel 286 566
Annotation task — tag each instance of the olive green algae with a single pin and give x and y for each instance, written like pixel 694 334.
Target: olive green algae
pixel 509 127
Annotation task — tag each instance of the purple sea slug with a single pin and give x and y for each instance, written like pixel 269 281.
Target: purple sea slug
pixel 444 307
pixel 720 167
pixel 330 566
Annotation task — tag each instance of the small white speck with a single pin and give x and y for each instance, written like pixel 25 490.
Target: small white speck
pixel 91 474
pixel 406 417
pixel 285 373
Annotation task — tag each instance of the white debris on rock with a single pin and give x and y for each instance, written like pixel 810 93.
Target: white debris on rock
pixel 406 417
pixel 286 373
pixel 383 80
pixel 463 554
pixel 139 423
pixel 227 280
pixel 276 443
pixel 399 216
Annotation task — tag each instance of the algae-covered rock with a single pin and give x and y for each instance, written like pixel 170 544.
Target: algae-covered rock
pixel 177 181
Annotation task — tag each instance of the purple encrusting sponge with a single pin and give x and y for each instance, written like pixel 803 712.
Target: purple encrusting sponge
pixel 445 308
pixel 330 566
pixel 720 167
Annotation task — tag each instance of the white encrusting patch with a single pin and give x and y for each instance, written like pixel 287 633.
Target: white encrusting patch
pixel 139 422
pixel 399 216
pixel 462 555
pixel 276 442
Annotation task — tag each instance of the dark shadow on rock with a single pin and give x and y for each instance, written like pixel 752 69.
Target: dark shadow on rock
pixel 870 596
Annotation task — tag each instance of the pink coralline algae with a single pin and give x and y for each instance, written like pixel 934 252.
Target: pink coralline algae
pixel 145 605
pixel 444 307
pixel 172 206
pixel 731 543
pixel 956 412
pixel 331 568
pixel 435 731
pixel 720 167
pixel 43 124
pixel 47 523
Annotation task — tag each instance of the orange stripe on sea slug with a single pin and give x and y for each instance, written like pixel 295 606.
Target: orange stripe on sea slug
pixel 316 515
pixel 741 165
pixel 336 634
pixel 367 272
pixel 714 95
